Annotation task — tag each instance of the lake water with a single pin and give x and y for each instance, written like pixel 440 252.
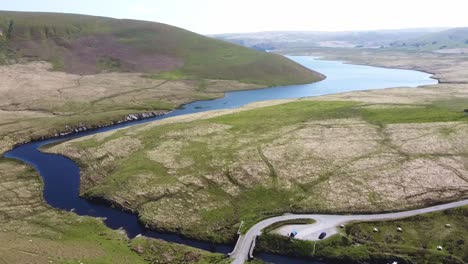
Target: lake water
pixel 61 175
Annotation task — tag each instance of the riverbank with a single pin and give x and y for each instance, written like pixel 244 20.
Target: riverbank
pixel 33 232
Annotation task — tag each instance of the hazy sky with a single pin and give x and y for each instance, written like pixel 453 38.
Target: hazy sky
pixel 221 16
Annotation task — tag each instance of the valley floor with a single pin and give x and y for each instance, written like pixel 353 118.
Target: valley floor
pixel 369 151
pixel 203 174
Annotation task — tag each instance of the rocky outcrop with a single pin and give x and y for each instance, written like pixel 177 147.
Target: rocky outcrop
pixel 82 127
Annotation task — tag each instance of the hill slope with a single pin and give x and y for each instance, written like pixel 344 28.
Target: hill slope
pixel 87 45
pixel 447 39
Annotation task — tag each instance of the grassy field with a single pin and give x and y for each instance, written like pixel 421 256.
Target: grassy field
pixel 204 177
pixel 417 243
pixel 32 232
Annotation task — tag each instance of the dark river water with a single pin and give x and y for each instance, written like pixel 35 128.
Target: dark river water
pixel 61 175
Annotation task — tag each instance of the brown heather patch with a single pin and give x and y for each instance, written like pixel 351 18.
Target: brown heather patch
pixel 198 131
pixel 431 139
pixel 168 154
pixel 249 169
pixel 180 211
pixel 118 148
pixel 319 147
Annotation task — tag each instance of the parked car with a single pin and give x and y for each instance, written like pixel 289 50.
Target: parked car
pixel 293 234
pixel 322 235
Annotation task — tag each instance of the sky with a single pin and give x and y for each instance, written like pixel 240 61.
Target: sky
pixel 235 16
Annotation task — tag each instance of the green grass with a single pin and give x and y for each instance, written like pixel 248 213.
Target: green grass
pixel 90 232
pixel 156 251
pixel 413 115
pixel 359 244
pixel 108 64
pixel 275 117
pixel 57 63
pixel 174 75
pixel 303 111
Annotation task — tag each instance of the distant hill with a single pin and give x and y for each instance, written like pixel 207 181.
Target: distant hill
pixel 86 45
pixel 456 38
pixel 307 39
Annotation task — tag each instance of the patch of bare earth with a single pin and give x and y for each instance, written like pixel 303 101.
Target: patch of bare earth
pixel 168 155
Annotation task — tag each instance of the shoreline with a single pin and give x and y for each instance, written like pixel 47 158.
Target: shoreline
pixel 326 54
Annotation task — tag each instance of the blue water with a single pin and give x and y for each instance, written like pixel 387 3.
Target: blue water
pixel 341 77
pixel 61 175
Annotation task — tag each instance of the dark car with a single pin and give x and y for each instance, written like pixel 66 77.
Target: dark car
pixel 293 234
pixel 322 235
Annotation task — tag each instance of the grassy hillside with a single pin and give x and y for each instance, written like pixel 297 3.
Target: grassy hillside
pixel 447 39
pixel 87 44
pixel 32 232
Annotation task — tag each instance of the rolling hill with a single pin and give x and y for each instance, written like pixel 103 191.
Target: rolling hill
pixel 444 40
pixel 87 45
pixel 456 38
pixel 292 40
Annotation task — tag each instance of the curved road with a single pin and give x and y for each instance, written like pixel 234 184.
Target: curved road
pixel 324 223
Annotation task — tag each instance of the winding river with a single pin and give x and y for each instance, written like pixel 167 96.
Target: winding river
pixel 61 175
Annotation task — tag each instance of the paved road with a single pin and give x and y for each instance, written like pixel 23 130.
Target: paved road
pixel 324 223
